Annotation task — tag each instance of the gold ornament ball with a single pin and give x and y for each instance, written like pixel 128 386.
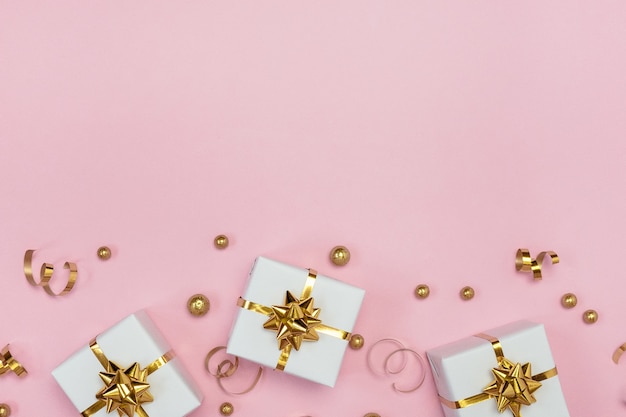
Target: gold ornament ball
pixel 422 291
pixel 226 409
pixel 198 305
pixel 104 253
pixel 590 316
pixel 5 410
pixel 340 255
pixel 221 241
pixel 371 415
pixel 467 293
pixel 569 300
pixel 357 341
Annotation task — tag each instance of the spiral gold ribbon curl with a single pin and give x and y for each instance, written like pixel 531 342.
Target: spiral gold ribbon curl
pixel 503 365
pixel 404 350
pixel 226 369
pixel 9 363
pixel 46 272
pixel 125 390
pixel 525 263
pixel 305 298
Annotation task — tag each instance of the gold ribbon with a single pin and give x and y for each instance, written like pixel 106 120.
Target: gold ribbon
pixel 618 353
pixel 9 363
pixel 512 387
pixel 226 369
pixel 294 322
pixel 125 390
pixel 46 275
pixel 525 263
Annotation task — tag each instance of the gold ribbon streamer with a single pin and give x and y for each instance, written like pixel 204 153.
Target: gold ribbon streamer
pixel 306 304
pixel 46 272
pixel 525 263
pixel 9 363
pixel 502 365
pixel 125 390
pixel 618 353
pixel 226 369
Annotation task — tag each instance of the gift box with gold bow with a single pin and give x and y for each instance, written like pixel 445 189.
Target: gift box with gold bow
pixel 295 320
pixel 506 371
pixel 129 370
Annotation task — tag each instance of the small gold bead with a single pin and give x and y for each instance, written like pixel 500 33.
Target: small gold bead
pixel 104 253
pixel 422 291
pixel 569 300
pixel 357 341
pixel 198 305
pixel 5 410
pixel 221 241
pixel 226 409
pixel 340 255
pixel 371 415
pixel 590 316
pixel 467 293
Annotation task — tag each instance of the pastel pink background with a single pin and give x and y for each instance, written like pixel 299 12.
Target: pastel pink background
pixel 431 138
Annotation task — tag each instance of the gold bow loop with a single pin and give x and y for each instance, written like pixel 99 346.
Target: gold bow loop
pixel 125 389
pixel 294 322
pixel 513 385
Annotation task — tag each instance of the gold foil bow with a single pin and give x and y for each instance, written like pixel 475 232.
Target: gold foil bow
pixel 525 263
pixel 125 390
pixel 295 322
pixel 513 385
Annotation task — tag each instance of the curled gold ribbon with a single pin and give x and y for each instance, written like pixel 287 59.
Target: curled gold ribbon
pixel 618 353
pixel 525 263
pixel 306 299
pixel 483 396
pixel 226 369
pixel 125 390
pixel 9 363
pixel 46 272
pixel 402 349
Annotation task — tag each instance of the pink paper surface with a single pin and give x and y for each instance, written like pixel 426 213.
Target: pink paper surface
pixel 431 138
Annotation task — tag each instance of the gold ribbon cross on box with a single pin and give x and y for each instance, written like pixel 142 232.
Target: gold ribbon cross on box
pixel 513 385
pixel 295 322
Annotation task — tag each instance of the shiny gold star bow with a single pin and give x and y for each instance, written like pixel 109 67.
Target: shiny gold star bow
pixel 125 390
pixel 295 322
pixel 513 386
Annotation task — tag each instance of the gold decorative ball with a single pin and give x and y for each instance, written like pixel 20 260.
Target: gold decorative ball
pixel 590 316
pixel 221 241
pixel 226 409
pixel 104 253
pixel 198 305
pixel 467 293
pixel 422 291
pixel 5 410
pixel 340 255
pixel 372 415
pixel 569 300
pixel 356 341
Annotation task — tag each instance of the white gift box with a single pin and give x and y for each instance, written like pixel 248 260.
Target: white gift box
pixel 463 368
pixel 134 339
pixel 318 361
